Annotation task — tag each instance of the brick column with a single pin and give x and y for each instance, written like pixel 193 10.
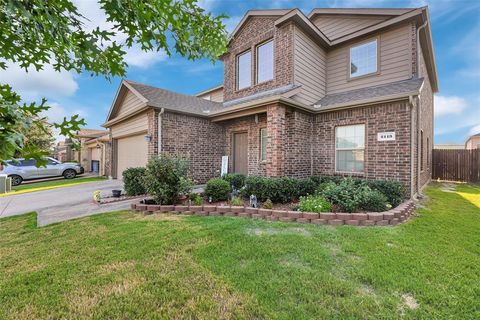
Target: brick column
pixel 153 132
pixel 276 140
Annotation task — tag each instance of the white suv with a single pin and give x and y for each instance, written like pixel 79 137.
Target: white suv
pixel 21 169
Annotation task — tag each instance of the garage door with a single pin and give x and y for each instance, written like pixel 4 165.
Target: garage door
pixel 131 152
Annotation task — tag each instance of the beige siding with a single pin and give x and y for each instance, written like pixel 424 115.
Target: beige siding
pixel 394 62
pixel 129 103
pixel 309 68
pixel 334 26
pixel 214 95
pixel 133 125
pixel 95 154
pixel 131 152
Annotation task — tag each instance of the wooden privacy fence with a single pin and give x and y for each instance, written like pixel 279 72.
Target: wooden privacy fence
pixel 456 165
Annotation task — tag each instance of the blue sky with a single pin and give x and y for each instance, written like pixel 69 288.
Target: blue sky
pixel 456 35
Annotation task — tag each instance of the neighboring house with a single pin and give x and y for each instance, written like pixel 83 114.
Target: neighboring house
pixel 63 151
pixel 94 153
pixel 473 142
pixel 337 92
pixel 449 146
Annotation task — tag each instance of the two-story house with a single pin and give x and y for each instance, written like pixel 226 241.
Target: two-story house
pixel 337 92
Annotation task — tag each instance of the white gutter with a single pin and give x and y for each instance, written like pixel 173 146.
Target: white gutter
pixel 419 143
pixel 159 132
pixel 412 141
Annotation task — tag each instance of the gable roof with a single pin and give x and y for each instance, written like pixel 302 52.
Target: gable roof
pixel 160 98
pixel 251 13
pixel 90 133
pixel 174 101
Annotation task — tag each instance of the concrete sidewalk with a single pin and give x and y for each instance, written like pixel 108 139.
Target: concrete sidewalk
pixel 58 214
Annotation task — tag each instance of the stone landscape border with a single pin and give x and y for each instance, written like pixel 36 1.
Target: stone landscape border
pixel 391 217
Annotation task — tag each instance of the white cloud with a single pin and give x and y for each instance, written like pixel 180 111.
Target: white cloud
pixel 475 129
pixel 453 114
pixel 33 85
pixel 445 105
pixel 95 17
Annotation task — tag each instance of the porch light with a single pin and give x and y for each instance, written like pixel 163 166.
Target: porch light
pixel 148 138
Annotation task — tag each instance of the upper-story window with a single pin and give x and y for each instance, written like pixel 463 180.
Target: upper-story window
pixel 363 59
pixel 265 62
pixel 244 70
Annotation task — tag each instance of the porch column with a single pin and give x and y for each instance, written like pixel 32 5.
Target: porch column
pixel 276 140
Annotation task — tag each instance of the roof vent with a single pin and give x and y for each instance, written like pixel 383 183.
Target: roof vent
pixel 317 106
pixel 206 111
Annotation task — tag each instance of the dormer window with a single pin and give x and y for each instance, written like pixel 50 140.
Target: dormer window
pixel 363 59
pixel 244 70
pixel 264 62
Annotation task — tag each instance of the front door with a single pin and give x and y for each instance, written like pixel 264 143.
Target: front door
pixel 240 152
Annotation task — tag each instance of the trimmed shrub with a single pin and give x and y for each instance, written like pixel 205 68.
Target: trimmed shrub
pixel 307 186
pixel 218 189
pixel 166 177
pixel 276 189
pixel 314 203
pixel 133 181
pixel 237 180
pixel 372 200
pixel 393 190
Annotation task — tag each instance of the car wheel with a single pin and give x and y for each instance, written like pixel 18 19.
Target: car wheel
pixel 16 180
pixel 69 174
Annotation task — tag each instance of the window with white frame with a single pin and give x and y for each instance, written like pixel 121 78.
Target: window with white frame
pixel 350 148
pixel 244 70
pixel 363 59
pixel 263 144
pixel 265 62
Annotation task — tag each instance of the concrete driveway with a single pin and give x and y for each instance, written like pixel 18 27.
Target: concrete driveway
pixel 64 203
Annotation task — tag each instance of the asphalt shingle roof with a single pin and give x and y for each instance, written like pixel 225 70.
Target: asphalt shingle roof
pixel 161 98
pixel 262 94
pixel 354 96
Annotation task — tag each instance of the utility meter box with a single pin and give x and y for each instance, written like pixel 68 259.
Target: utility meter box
pixel 3 183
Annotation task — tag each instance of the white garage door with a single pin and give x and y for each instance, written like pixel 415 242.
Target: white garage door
pixel 132 152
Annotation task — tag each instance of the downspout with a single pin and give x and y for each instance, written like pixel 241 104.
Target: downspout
pixel 159 132
pixel 412 141
pixel 418 44
pixel 419 165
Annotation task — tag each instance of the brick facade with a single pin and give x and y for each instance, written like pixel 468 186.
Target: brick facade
pixel 198 139
pixel 247 124
pixel 253 33
pixel 388 160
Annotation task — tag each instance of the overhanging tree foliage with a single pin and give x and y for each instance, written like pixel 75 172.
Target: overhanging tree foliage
pixel 35 33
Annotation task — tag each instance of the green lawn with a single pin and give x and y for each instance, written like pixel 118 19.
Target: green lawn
pixel 55 183
pixel 122 265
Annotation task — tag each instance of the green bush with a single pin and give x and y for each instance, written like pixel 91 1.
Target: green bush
pixel 237 180
pixel 218 189
pixel 236 201
pixel 372 200
pixel 314 203
pixel 307 186
pixel 195 198
pixel 133 181
pixel 166 177
pixel 277 189
pixel 268 204
pixel 344 195
pixel 393 190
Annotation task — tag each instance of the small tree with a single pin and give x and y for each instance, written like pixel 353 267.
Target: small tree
pixel 36 33
pixel 166 178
